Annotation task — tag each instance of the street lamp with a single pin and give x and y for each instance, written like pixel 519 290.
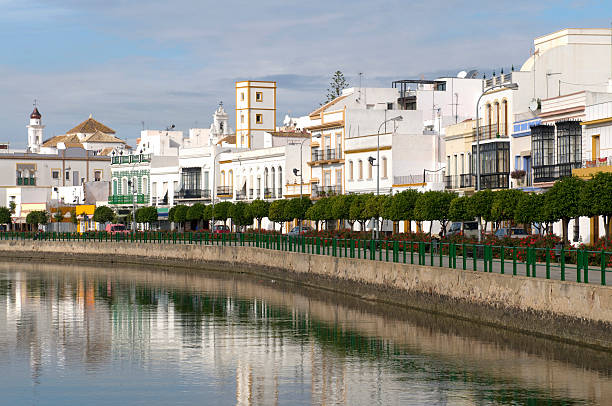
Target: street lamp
pixel 511 86
pixel 214 170
pixel 371 160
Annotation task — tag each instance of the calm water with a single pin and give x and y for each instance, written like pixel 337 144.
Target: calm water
pixel 82 335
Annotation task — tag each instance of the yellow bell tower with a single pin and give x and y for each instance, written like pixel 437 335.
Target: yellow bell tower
pixel 255 112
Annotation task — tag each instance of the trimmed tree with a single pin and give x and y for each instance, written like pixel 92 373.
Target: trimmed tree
pixel 241 215
pixel 103 214
pixel 504 205
pixel 357 210
pixel 178 214
pixel 400 207
pixel 277 213
pixel 34 218
pixel 146 215
pixel 5 215
pixel 222 210
pixel 341 206
pixel 564 201
pixel 434 206
pixel 596 199
pixel 259 210
pixel 459 210
pixel 527 210
pixel 480 205
pixel 296 208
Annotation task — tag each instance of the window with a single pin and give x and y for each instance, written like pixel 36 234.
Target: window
pixel 97 176
pixel 115 191
pixel 350 170
pixel 441 86
pixel 543 144
pixel 384 168
pixel 569 145
pixel 242 119
pixel 389 106
pixel 242 96
pixel 360 169
pixel 339 177
pixel 230 178
pixel 67 175
pixel 55 174
pixel 259 96
pixel 145 185
pixel 222 178
pixel 258 118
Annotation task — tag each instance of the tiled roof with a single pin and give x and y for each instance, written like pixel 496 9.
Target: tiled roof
pixel 302 134
pixel 52 142
pixel 326 105
pixel 230 139
pixel 106 151
pixel 99 136
pixel 90 126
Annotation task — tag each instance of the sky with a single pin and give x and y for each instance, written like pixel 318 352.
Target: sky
pixel 160 62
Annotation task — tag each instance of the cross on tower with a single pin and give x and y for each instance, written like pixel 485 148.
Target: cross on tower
pixel 35 103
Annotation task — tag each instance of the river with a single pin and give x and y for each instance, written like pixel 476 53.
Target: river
pixel 76 334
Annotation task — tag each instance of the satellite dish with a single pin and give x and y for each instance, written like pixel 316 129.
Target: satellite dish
pixel 533 105
pixel 462 74
pixel 471 74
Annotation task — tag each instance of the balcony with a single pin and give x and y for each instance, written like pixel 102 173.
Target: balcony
pixel 241 195
pixel 465 180
pixel 26 181
pixel 589 168
pixel 128 199
pixel 268 193
pixel 324 191
pixel 490 132
pixel 224 192
pixel 130 159
pixel 185 194
pixel 498 80
pixel 493 180
pixel 326 156
pixel 551 173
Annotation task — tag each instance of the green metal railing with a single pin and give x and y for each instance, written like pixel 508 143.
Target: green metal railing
pixel 582 266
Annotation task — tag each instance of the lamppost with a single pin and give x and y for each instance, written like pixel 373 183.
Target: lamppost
pixel 511 86
pixel 371 160
pixel 212 195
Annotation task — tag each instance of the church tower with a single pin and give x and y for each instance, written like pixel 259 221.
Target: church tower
pixel 255 112
pixel 220 126
pixel 35 131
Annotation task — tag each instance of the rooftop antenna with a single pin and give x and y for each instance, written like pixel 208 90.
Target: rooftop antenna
pixel 143 125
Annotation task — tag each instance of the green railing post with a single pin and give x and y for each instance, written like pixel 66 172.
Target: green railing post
pixel 585 257
pixel 502 259
pixel 562 259
pixel 578 265
pixel 334 246
pixel 431 254
pixel 474 257
pixel 464 256
pixel 603 267
pixel 527 259
pixel 547 263
pixel 534 262
pixel 441 262
pixel 514 261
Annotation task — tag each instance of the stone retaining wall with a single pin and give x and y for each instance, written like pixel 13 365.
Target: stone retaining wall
pixel 573 312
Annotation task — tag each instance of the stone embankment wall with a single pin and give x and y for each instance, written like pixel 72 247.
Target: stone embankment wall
pixel 579 313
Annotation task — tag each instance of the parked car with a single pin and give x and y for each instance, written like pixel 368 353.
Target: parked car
pixel 221 229
pixel 470 229
pixel 511 232
pixel 299 230
pixel 116 229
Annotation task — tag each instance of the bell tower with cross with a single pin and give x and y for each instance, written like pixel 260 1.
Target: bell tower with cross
pixel 35 130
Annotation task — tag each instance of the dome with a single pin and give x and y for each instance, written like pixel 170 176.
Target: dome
pixel 35 113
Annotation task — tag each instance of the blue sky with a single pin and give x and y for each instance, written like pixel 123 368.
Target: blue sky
pixel 170 62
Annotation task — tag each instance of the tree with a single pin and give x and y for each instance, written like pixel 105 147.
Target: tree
pixel 58 216
pixel 178 214
pixel 316 212
pixel 459 210
pixel 504 205
pixel 434 206
pixel 74 219
pixel 12 207
pixel 146 215
pixel 527 210
pixel 480 206
pixel 5 215
pixel 596 199
pixel 336 85
pixel 259 210
pixel 357 210
pixel 221 211
pixel 34 218
pixel 103 214
pixel 296 208
pixel 277 213
pixel 340 208
pixel 195 212
pixel 400 207
pixel 240 214
pixel 563 200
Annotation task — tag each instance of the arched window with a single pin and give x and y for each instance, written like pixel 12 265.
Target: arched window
pixel 505 117
pixel 124 187
pixel 115 187
pixel 488 121
pixel 497 118
pixel 350 170
pixel 145 185
pixel 230 179
pixel 222 178
pixel 273 176
pixel 384 167
pixel 360 169
pixel 280 182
